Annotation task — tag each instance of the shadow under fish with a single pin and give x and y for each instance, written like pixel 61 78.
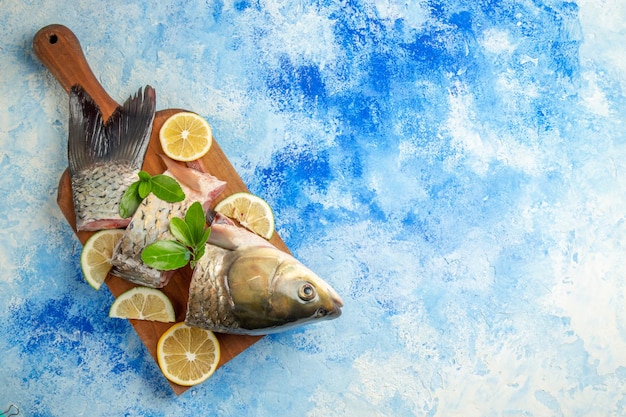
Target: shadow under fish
pixel 105 157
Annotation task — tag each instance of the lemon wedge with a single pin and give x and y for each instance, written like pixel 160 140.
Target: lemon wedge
pixel 251 211
pixel 95 258
pixel 188 355
pixel 142 303
pixel 185 136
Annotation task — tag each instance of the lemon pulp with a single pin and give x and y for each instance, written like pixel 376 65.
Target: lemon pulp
pixel 251 211
pixel 185 136
pixel 95 258
pixel 188 355
pixel 142 303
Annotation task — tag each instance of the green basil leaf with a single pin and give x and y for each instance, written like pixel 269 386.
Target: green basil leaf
pixel 205 238
pixel 167 189
pixel 165 255
pixel 144 188
pixel 200 248
pixel 199 253
pixel 130 201
pixel 144 176
pixel 181 232
pixel 196 221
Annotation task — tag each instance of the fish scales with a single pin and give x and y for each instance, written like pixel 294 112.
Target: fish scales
pixel 209 303
pixel 97 195
pixel 151 223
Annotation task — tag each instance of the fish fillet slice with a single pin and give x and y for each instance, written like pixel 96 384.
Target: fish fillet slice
pixel 151 223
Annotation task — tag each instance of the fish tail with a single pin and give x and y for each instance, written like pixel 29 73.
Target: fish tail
pixel 86 136
pixel 124 137
pixel 105 157
pixel 130 127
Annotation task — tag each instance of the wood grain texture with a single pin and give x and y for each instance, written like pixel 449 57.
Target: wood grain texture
pixel 59 50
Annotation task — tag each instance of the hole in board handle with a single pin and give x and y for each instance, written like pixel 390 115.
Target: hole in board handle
pixel 53 39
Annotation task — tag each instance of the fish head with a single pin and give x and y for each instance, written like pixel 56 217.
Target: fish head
pixel 298 292
pixel 272 292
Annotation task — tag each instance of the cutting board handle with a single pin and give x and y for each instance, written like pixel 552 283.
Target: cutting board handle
pixel 58 49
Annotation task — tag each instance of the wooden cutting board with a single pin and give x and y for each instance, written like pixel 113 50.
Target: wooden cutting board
pixel 59 50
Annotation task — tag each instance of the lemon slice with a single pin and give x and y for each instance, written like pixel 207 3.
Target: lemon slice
pixel 143 303
pixel 251 211
pixel 95 258
pixel 185 136
pixel 188 355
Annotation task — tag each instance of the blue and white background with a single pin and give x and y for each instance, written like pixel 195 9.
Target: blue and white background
pixel 455 169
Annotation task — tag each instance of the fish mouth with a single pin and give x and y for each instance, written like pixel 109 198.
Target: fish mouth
pixel 337 304
pixel 337 300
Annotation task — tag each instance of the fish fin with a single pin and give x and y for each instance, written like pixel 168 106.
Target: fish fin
pixel 183 174
pixel 213 217
pixel 210 216
pixel 229 236
pixel 124 137
pixel 86 137
pixel 197 165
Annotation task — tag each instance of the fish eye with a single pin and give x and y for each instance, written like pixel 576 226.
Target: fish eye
pixel 321 312
pixel 306 292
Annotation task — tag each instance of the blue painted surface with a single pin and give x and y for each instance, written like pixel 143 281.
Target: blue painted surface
pixel 454 169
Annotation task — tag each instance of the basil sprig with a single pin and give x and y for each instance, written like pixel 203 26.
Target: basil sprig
pixel 164 187
pixel 191 238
